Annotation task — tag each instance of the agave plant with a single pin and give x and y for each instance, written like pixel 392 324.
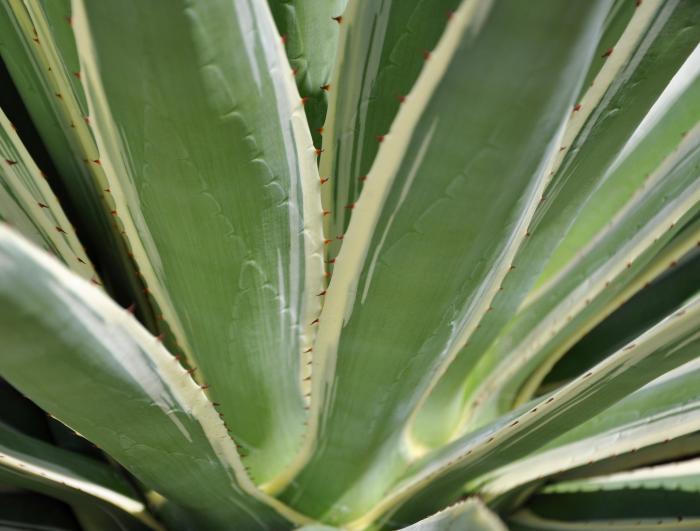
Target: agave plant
pixel 300 264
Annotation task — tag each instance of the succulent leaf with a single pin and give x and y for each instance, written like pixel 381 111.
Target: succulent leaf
pixel 218 196
pixel 61 334
pixel 400 245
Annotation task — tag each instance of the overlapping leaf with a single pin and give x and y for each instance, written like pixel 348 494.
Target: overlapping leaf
pixel 37 47
pixel 404 293
pixel 41 467
pixel 309 31
pixel 671 343
pixel 634 77
pixel 89 363
pixel 205 147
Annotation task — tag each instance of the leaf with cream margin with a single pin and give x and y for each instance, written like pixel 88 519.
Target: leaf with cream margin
pixel 469 514
pixel 679 279
pixel 36 465
pixel 309 31
pixel 89 363
pixel 429 188
pixel 20 414
pixel 28 204
pixel 441 476
pixel 682 475
pixel 39 70
pixel 661 411
pixel 633 79
pixel 595 284
pixel 671 116
pixel 666 493
pixel 383 47
pixel 211 167
pixel 528 521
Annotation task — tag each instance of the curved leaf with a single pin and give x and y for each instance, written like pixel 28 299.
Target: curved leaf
pixel 594 286
pixel 310 34
pixel 682 476
pixel 27 203
pixel 36 465
pixel 212 171
pixel 392 319
pixel 669 344
pixel 658 413
pixel 634 76
pixel 470 514
pixel 383 47
pixel 668 291
pixel 666 493
pixel 671 116
pixel 52 96
pixel 528 521
pixel 89 363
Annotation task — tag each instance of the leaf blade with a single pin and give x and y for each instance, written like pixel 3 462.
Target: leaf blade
pixel 405 216
pixel 152 418
pixel 236 274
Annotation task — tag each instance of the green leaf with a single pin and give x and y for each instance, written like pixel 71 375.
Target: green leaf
pixel 682 447
pixel 470 514
pixel 38 58
pixel 382 49
pixel 218 196
pixel 529 521
pixel 634 77
pixel 681 244
pixel 594 285
pixel 440 477
pixel 668 492
pixel 27 203
pixel 668 291
pixel 309 31
pixel 19 413
pixel 671 117
pixel 32 464
pixel 683 476
pixel 403 296
pixel 658 413
pixel 89 363
pixel 616 23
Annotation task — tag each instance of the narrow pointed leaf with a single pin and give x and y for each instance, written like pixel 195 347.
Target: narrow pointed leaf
pixel 32 464
pixel 658 413
pixel 668 492
pixel 90 364
pixel 39 70
pixel 470 514
pixel 27 202
pixel 683 476
pixel 309 31
pixel 658 38
pixel 667 292
pixel 371 365
pixel 671 343
pixel 671 117
pixel 212 170
pixel 595 284
pixel 383 47
pixel 529 521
